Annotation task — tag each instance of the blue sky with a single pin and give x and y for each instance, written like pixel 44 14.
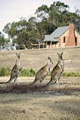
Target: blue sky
pixel 13 10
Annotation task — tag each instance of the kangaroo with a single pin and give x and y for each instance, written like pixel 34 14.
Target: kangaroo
pixel 57 71
pixel 16 70
pixel 42 73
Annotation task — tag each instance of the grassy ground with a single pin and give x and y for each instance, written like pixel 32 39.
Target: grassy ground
pixel 35 59
pixel 20 102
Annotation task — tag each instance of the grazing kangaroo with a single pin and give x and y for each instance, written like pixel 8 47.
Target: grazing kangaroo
pixel 57 70
pixel 42 73
pixel 16 70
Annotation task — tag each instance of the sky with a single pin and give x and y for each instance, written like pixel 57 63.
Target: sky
pixel 13 10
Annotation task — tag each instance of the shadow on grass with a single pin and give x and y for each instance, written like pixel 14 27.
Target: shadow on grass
pixel 23 88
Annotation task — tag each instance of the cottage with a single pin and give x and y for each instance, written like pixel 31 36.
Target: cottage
pixel 62 37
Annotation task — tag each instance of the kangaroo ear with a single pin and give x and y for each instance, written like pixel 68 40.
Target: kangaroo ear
pixel 49 58
pixel 62 53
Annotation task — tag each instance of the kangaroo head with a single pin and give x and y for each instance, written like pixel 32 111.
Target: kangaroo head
pixel 50 60
pixel 60 56
pixel 18 55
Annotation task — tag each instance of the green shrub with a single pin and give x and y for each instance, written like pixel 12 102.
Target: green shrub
pixel 71 74
pixel 4 71
pixel 27 72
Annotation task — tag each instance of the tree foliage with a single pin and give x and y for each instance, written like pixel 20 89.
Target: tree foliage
pixel 48 19
pixel 2 39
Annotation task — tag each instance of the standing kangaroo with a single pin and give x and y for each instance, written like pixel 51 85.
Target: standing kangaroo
pixel 16 70
pixel 42 73
pixel 57 70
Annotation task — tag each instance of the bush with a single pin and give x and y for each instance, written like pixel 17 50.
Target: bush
pixel 71 74
pixel 4 71
pixel 27 72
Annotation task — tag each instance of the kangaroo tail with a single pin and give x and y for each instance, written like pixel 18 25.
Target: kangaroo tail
pixel 3 82
pixel 7 81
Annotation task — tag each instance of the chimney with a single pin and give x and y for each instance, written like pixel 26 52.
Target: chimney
pixel 71 35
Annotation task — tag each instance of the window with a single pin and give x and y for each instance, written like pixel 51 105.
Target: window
pixel 76 41
pixel 64 40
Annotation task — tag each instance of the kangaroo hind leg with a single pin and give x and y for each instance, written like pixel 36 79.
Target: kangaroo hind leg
pixel 15 80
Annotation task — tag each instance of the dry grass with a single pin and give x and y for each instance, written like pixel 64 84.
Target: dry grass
pixel 21 102
pixel 35 59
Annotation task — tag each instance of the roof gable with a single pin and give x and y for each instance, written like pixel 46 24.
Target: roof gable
pixel 59 31
pixel 56 34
